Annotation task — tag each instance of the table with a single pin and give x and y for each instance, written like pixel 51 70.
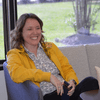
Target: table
pixel 91 95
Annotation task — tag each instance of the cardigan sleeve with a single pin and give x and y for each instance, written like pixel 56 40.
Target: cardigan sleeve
pixel 67 69
pixel 20 72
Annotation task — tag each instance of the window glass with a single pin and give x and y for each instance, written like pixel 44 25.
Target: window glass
pixel 2 54
pixel 53 15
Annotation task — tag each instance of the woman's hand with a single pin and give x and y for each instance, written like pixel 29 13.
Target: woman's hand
pixel 57 83
pixel 71 84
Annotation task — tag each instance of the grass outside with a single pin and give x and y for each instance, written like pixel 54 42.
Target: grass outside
pixel 54 16
pixel 1 35
pixel 2 47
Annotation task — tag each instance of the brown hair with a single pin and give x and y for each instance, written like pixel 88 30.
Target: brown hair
pixel 16 33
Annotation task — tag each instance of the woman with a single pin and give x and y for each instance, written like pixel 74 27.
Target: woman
pixel 42 63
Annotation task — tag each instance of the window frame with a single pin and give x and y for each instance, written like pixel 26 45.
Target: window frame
pixel 9 20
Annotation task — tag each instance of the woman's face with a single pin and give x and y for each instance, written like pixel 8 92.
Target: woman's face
pixel 31 32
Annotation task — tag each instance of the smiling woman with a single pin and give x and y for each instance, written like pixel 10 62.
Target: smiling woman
pixel 31 33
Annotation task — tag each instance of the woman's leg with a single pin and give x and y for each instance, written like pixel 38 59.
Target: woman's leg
pixel 64 95
pixel 87 84
pixel 54 96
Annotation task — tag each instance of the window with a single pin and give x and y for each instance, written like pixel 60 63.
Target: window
pixel 2 53
pixel 2 49
pixel 8 17
pixel 54 15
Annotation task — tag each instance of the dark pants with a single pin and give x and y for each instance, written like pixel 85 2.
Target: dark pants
pixel 87 84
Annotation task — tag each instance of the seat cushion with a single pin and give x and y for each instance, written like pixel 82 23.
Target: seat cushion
pixel 93 53
pixel 78 59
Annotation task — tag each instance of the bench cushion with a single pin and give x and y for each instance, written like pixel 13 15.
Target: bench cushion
pixel 93 53
pixel 78 59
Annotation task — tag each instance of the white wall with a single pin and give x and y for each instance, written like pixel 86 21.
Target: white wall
pixel 3 91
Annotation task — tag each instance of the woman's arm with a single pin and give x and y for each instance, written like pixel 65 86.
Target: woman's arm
pixel 68 71
pixel 21 72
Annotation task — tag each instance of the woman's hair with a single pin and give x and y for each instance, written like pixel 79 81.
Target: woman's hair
pixel 16 33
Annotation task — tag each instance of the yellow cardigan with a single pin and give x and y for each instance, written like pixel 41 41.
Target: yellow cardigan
pixel 22 68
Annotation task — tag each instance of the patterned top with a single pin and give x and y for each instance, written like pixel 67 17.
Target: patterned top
pixel 43 62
